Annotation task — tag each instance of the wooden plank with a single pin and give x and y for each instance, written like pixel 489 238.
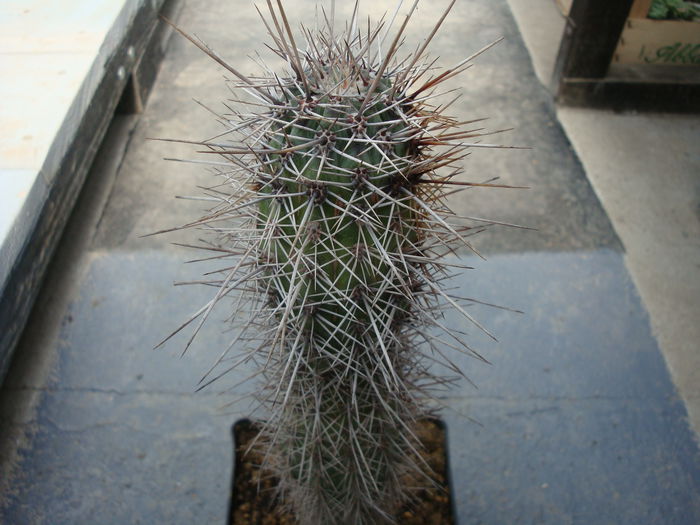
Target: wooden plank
pixel 591 34
pixel 640 8
pixel 659 42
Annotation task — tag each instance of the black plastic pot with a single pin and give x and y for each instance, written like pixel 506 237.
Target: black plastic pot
pixel 259 509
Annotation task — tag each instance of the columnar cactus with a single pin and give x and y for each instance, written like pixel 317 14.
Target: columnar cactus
pixel 333 213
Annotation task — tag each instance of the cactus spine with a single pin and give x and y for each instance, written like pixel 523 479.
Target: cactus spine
pixel 333 214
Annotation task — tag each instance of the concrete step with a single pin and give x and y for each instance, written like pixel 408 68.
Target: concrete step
pixel 65 67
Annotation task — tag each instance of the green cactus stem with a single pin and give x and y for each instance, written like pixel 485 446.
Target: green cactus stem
pixel 333 213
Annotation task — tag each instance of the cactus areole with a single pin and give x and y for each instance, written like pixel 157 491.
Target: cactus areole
pixel 332 214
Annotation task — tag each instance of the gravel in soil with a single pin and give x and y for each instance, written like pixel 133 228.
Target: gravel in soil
pixel 252 501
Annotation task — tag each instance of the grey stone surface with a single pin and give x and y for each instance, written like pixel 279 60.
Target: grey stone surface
pixel 579 421
pixel 571 462
pixel 644 169
pixel 103 456
pixel 541 23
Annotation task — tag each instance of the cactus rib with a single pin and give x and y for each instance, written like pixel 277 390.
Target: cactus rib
pixel 334 214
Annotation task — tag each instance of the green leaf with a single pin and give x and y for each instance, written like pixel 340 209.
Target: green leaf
pixel 673 10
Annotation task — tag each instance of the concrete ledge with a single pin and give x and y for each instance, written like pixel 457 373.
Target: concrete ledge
pixel 643 168
pixel 45 155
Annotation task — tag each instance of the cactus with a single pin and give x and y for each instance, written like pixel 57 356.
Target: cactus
pixel 333 213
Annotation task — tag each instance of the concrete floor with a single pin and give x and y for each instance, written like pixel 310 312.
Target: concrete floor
pixel 580 420
pixel 645 169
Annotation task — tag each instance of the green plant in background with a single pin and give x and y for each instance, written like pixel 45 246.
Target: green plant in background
pixel 674 10
pixel 333 214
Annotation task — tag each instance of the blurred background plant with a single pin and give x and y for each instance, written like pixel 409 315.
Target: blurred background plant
pixel 674 10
